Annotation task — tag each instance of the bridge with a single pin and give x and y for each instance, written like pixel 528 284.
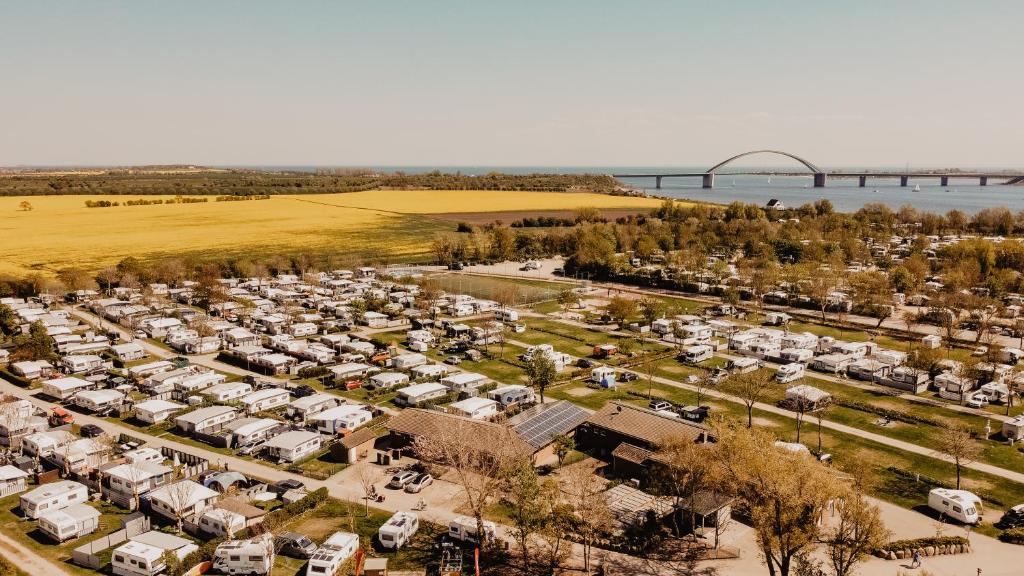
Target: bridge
pixel 821 176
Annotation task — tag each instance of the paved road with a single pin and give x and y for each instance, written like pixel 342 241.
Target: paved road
pixel 27 559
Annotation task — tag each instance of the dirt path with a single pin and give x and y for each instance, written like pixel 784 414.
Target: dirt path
pixel 26 559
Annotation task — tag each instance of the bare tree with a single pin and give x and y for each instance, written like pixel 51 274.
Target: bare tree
pixel 366 482
pixel 179 498
pixel 532 502
pixel 857 532
pixel 583 491
pixel 480 466
pixel 751 388
pixel 955 443
pixel 682 472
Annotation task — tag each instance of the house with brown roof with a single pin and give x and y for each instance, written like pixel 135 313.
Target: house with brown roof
pixel 627 435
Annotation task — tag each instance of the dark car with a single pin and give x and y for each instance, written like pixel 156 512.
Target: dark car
pixel 584 363
pixel 90 431
pixel 455 266
pixel 283 486
pixel 1013 518
pixel 628 376
pixel 303 390
pixel 457 348
pixel 294 545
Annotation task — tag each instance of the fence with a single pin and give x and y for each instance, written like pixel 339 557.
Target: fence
pixel 87 555
pixel 191 464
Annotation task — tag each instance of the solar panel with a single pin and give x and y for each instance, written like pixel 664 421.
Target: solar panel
pixel 554 419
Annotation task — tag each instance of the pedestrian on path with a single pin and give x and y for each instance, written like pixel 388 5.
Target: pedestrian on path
pixel 916 560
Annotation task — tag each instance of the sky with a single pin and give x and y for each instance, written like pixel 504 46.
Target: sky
pixel 521 83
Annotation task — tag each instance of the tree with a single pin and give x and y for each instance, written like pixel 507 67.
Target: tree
pixel 36 345
pixel 855 534
pixel 172 564
pixel 564 444
pixel 76 279
pixel 683 470
pixel 584 493
pixel 507 296
pixel 872 295
pixel 179 497
pixel 620 308
pixel 480 471
pixel 531 503
pixel 651 309
pixel 957 445
pixel 9 321
pixel 751 388
pixel 25 206
pixel 567 299
pixel 540 369
pixel 786 493
pixel 107 277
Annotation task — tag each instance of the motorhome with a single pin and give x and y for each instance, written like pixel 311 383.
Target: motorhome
pixel 909 379
pixel 398 530
pixel 952 387
pixel 789 372
pixel 253 556
pixel 776 318
pixel 183 499
pixel 603 376
pixel 956 504
pixel 697 354
pixel 506 315
pixel 67 523
pixel 338 547
pixel 464 528
pixel 1013 429
pixel 53 496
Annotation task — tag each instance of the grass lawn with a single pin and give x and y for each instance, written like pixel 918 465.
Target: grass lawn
pixel 528 291
pixel 25 532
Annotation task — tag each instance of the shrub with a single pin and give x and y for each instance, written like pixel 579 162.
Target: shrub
pixel 1013 535
pixel 895 415
pixel 923 542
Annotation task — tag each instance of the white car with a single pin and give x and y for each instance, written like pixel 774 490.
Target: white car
pixel 977 400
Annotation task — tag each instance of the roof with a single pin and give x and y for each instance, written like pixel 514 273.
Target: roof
pixel 241 508
pixel 630 505
pixel 539 425
pixel 161 540
pixel 140 550
pixel 224 479
pixel 8 472
pixel 313 400
pixel 464 378
pixel 360 436
pixel 75 512
pixel 290 440
pixel 706 502
pixel 417 422
pixel 68 383
pixel 473 404
pixel 203 413
pixel 425 388
pixel 630 453
pixel 183 494
pixel 52 489
pixel 337 412
pixel 645 425
pixel 140 471
pixel 158 405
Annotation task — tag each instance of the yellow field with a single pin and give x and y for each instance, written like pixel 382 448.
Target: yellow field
pixel 61 232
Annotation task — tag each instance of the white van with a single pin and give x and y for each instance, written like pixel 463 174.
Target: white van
pixel 789 372
pixel 696 354
pixel 464 528
pixel 957 504
pixel 398 530
pixel 338 547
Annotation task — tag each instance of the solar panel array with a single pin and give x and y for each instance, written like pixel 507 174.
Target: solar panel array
pixel 553 419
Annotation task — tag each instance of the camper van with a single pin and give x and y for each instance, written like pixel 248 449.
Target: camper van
pixel 338 547
pixel 464 528
pixel 506 315
pixel 255 556
pixel 398 530
pixel 137 559
pixel 697 354
pixel 789 372
pixel 957 504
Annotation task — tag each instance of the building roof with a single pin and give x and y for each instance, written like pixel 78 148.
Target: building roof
pixel 473 404
pixel 160 540
pixel 201 414
pixel 630 505
pixel 75 513
pixel 644 425
pixel 416 422
pixel 629 453
pixel 539 425
pixel 183 494
pixel 244 509
pixel 158 405
pixel 360 436
pixel 8 472
pixel 290 440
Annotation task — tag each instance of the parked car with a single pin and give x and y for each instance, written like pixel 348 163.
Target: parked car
pixel 584 363
pixel 401 479
pixel 457 348
pixel 626 376
pixel 303 390
pixel 90 431
pixel 282 486
pixel 1013 518
pixel 250 449
pixel 660 405
pixel 455 266
pixel 140 334
pixel 453 360
pixel 294 545
pixel 977 400
pixel 419 483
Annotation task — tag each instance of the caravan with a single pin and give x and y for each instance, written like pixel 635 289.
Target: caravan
pixel 697 354
pixel 74 521
pixel 398 530
pixel 338 547
pixel 255 556
pixel 789 372
pixel 464 528
pixel 957 504
pixel 54 496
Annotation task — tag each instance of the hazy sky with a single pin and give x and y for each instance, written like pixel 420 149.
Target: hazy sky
pixel 629 83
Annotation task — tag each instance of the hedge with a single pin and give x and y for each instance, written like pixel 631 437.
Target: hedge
pixel 896 415
pixel 916 543
pixel 313 371
pixel 1013 535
